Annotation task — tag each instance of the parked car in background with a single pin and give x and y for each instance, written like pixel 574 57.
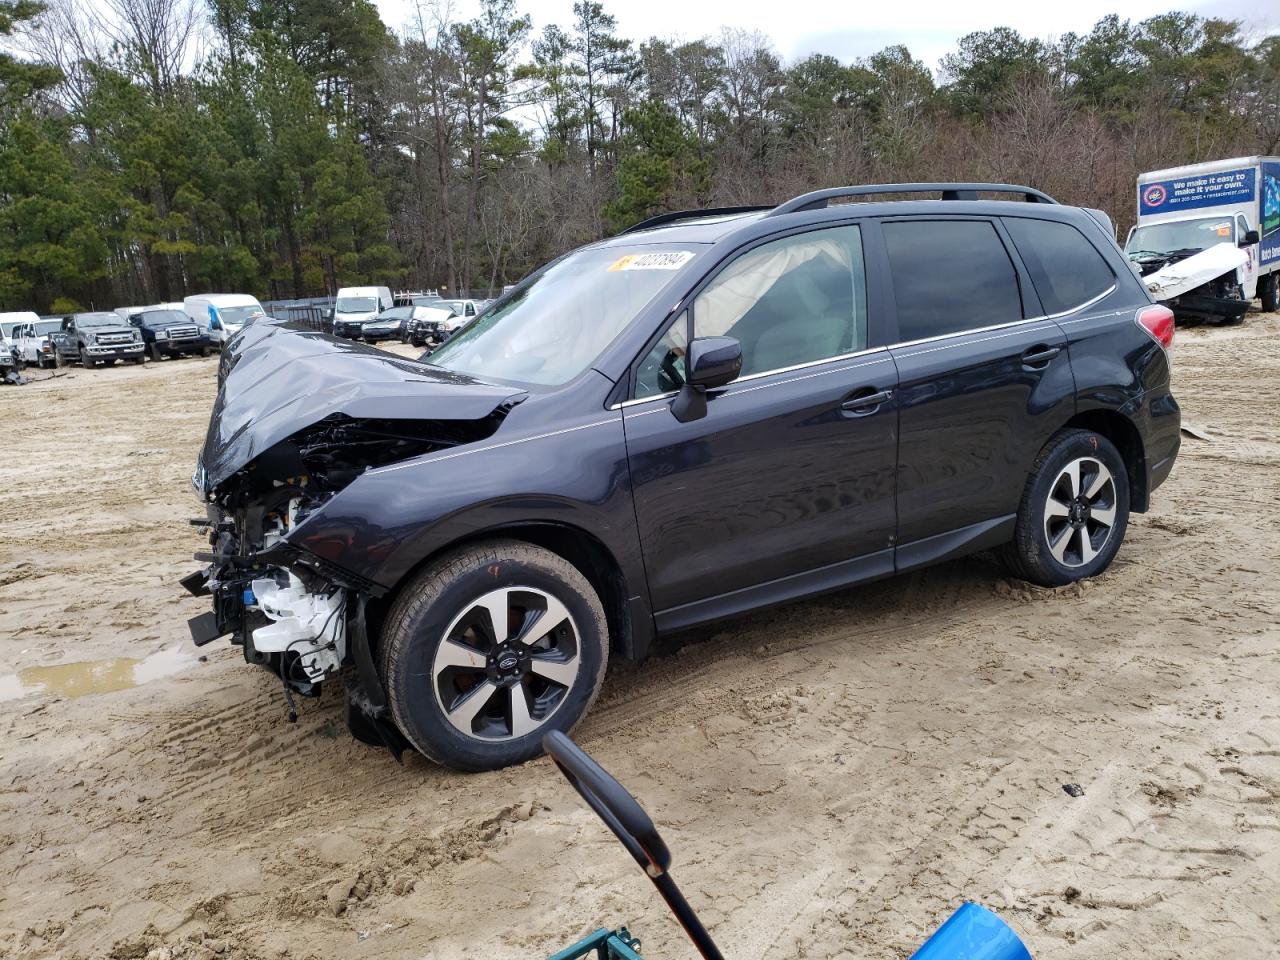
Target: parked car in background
pixel 97 337
pixel 32 341
pixel 171 333
pixel 713 412
pixel 9 322
pixel 432 324
pixel 393 323
pixel 10 359
pixel 222 314
pixel 354 305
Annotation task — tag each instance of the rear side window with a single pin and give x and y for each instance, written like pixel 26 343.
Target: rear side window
pixel 950 276
pixel 1066 268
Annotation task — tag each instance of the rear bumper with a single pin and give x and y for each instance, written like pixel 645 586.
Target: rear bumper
pixel 1162 439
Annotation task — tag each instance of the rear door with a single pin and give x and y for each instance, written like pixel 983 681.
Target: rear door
pixel 984 379
pixel 786 485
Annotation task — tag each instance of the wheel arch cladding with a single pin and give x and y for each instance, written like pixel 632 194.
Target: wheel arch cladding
pixel 587 554
pixel 1124 436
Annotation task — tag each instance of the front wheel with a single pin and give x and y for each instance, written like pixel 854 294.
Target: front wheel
pixel 85 360
pixel 488 649
pixel 1074 511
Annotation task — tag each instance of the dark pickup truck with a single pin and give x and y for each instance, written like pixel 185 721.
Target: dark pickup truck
pixel 170 333
pixel 93 338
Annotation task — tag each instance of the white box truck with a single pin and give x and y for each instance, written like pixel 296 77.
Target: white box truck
pixel 1207 240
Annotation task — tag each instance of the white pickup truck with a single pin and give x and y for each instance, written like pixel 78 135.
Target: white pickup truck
pixel 1207 239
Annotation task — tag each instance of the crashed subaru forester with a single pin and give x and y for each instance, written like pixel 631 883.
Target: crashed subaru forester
pixel 713 412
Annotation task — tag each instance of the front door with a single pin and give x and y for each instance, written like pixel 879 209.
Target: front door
pixel 787 483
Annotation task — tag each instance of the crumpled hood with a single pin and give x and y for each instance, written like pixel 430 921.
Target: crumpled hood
pixel 279 378
pixel 1185 275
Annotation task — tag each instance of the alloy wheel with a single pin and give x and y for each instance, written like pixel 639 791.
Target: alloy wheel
pixel 1080 512
pixel 506 663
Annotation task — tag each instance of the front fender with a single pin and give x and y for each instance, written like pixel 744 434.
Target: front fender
pixel 390 519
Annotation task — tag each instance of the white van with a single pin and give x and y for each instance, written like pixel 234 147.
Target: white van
pixel 29 334
pixel 222 313
pixel 355 305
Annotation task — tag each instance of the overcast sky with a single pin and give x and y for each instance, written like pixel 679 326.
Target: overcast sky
pixel 847 30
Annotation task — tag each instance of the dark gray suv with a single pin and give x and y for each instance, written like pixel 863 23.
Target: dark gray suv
pixel 714 411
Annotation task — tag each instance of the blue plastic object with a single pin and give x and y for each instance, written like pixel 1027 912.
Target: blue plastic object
pixel 248 597
pixel 973 933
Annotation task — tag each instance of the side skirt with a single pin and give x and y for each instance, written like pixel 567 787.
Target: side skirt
pixel 837 576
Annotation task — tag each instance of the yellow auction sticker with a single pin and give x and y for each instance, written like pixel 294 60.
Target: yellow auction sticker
pixel 670 260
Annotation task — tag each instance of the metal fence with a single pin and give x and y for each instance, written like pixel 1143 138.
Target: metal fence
pixel 315 313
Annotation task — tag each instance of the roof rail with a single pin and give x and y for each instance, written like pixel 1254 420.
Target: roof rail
pixel 950 191
pixel 661 218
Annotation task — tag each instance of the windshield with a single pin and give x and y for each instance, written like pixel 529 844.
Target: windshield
pixel 98 320
pixel 161 316
pixel 238 316
pixel 564 317
pixel 1181 235
pixel 356 304
pixel 425 301
pixel 435 313
pixel 47 326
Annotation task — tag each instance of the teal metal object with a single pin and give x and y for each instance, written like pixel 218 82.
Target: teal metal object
pixel 605 944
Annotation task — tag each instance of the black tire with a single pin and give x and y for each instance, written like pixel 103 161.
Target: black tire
pixel 1269 292
pixel 153 349
pixel 1030 555
pixel 85 360
pixel 206 351
pixel 444 596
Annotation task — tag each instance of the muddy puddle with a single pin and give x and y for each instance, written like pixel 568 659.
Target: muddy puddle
pixel 83 677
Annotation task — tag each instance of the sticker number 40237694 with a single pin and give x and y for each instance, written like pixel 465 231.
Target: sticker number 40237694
pixel 670 260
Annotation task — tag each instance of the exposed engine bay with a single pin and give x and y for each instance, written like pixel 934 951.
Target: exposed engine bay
pixel 289 609
pixel 1195 283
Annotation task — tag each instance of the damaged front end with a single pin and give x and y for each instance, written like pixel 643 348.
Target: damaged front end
pixel 299 417
pixel 1197 284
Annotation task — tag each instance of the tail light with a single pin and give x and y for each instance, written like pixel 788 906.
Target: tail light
pixel 1158 322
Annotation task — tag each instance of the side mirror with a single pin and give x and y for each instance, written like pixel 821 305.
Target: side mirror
pixel 711 362
pixel 1250 238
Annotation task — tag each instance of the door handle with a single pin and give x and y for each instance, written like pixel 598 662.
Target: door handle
pixel 1039 356
pixel 865 401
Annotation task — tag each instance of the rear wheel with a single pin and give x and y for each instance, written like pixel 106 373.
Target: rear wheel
pixel 1269 292
pixel 488 649
pixel 1074 511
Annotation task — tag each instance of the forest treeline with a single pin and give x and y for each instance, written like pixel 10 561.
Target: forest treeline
pixel 153 148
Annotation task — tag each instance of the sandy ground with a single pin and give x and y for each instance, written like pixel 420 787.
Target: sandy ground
pixel 833 776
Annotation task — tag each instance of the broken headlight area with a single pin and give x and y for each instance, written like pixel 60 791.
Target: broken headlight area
pixel 290 611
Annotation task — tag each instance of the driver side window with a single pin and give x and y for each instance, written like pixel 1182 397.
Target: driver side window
pixel 790 301
pixel 662 369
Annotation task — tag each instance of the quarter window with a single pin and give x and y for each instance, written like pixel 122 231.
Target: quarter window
pixel 950 276
pixel 790 301
pixel 1065 267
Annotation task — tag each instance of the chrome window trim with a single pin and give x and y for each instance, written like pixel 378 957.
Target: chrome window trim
pixel 1003 326
pixel 756 376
